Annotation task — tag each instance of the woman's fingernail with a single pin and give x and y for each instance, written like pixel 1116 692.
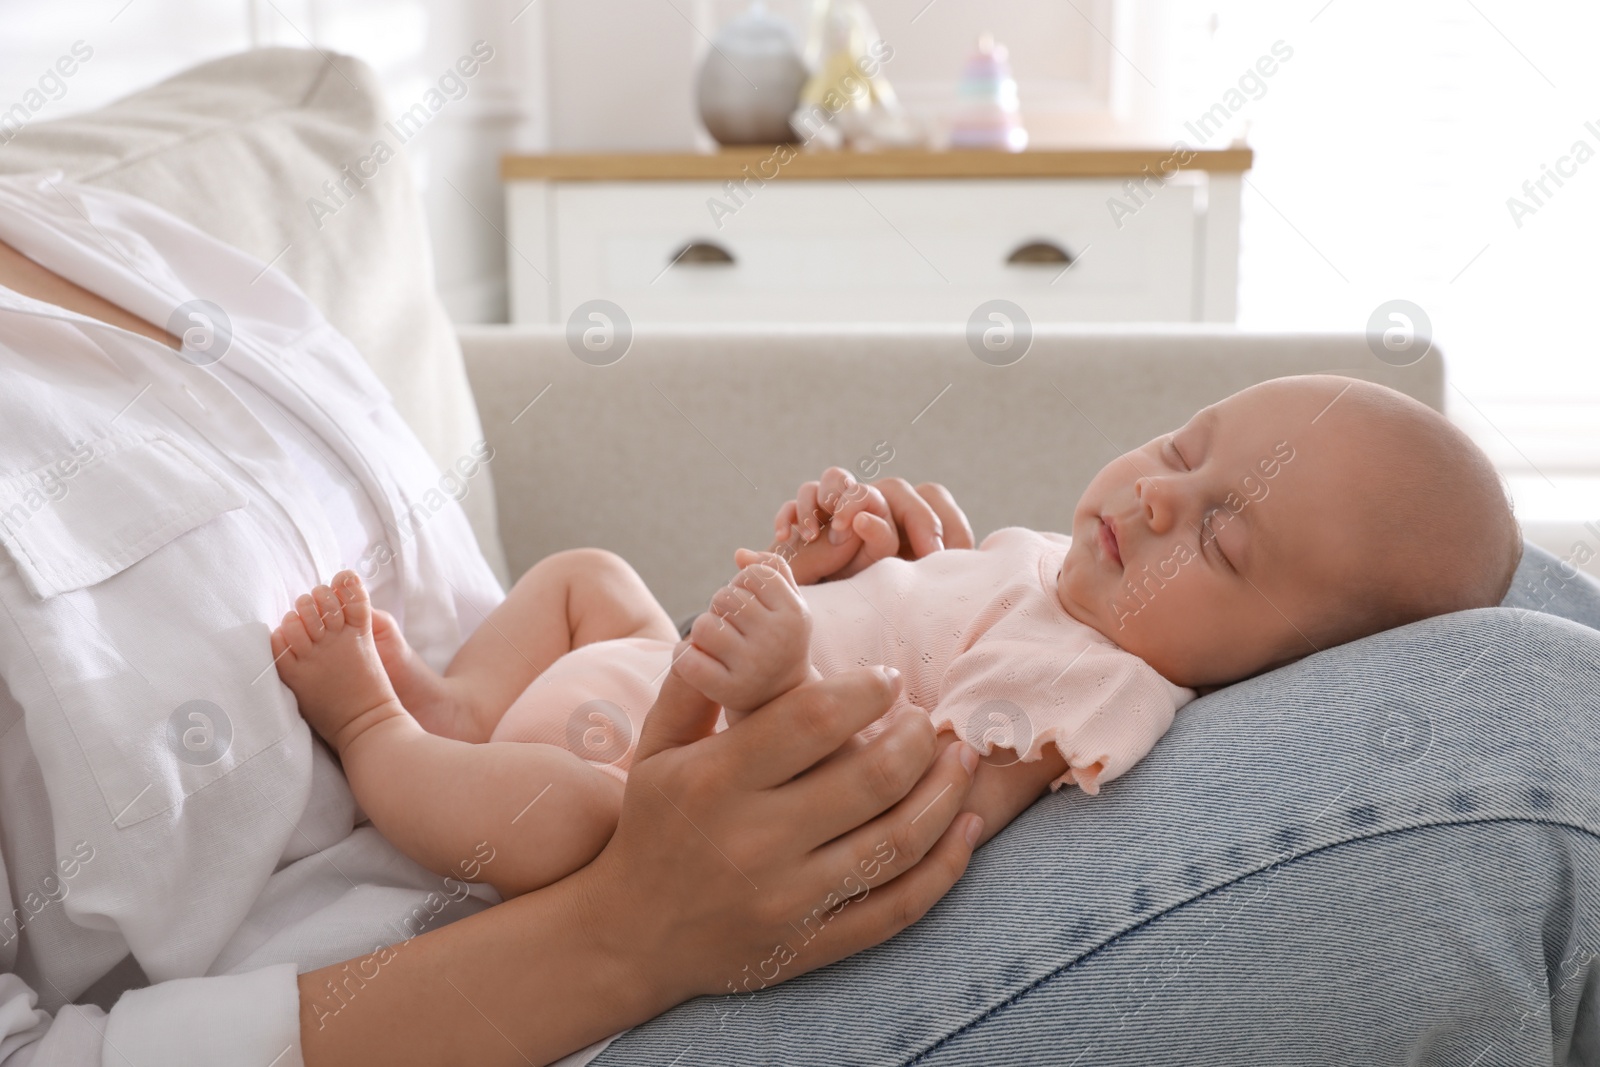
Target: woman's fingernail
pixel 969 757
pixel 974 830
pixel 890 673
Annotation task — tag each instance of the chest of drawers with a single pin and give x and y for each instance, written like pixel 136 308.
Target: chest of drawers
pixel 909 237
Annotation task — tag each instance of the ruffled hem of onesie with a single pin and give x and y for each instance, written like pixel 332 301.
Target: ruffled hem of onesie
pixel 1086 770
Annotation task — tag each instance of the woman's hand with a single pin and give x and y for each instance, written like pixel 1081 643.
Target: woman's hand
pixel 744 858
pixel 864 522
pixel 741 859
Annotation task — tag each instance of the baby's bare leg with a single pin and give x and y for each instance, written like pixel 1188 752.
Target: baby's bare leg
pixel 542 811
pixel 563 602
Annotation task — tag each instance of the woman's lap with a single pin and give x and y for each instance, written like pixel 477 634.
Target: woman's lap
pixel 1389 846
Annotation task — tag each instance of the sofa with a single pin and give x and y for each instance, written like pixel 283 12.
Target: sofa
pixel 681 450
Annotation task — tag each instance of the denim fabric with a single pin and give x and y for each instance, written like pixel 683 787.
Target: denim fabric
pixel 1387 853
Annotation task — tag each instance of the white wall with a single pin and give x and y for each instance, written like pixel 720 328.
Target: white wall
pixel 568 75
pixel 622 71
pixel 409 42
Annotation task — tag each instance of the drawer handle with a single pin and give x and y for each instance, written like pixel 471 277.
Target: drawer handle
pixel 1040 252
pixel 703 253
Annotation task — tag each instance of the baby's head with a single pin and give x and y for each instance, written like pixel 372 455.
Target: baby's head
pixel 1296 515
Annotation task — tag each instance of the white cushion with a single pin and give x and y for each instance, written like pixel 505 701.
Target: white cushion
pixel 239 147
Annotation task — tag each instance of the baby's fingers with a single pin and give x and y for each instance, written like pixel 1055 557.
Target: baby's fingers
pixel 861 498
pixel 784 523
pixel 881 540
pixel 842 495
pixel 808 515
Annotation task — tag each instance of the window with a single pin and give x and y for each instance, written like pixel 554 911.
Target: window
pixel 1442 151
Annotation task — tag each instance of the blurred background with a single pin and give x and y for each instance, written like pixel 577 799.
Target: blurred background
pixel 1436 151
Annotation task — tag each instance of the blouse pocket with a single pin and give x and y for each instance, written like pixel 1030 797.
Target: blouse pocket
pixel 91 513
pixel 133 642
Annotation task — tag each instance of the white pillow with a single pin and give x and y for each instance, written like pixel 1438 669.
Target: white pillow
pixel 239 147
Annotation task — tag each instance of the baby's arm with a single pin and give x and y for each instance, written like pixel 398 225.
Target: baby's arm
pixel 540 810
pixel 1003 787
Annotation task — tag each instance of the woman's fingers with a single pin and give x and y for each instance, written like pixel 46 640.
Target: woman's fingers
pixel 889 907
pixel 680 716
pixel 713 860
pixel 905 860
pixel 866 779
pixel 956 531
pixel 904 833
pixel 795 731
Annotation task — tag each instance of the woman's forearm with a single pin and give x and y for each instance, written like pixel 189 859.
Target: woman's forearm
pixel 523 982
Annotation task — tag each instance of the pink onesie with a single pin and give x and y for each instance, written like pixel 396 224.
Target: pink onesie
pixel 979 637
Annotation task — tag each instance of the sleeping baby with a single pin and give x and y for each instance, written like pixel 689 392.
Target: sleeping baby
pixel 1293 516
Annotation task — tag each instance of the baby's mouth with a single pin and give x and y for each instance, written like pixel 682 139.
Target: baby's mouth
pixel 1108 542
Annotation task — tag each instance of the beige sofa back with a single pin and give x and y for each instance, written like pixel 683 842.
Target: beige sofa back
pixel 683 450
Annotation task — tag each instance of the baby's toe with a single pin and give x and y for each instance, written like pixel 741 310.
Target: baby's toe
pixel 728 604
pixel 713 633
pixel 329 610
pixel 704 672
pixel 353 595
pixel 294 634
pixel 310 615
pixel 769 586
pixel 775 562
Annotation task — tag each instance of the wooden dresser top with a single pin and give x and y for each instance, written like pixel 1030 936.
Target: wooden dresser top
pixel 768 162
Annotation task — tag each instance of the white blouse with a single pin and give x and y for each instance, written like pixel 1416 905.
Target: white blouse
pixel 160 797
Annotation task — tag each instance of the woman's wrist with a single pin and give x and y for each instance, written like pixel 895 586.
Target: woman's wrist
pixel 627 947
pixel 526 981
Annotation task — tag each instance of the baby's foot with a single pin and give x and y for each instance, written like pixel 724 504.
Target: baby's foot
pixel 426 694
pixel 325 653
pixel 755 642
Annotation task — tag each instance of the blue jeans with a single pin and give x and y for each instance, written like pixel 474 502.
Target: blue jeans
pixel 1387 853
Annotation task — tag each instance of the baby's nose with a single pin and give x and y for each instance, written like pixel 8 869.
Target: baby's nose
pixel 1152 498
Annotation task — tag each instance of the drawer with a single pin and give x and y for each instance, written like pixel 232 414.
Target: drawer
pixel 816 250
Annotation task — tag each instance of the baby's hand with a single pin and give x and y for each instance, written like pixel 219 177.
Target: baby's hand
pixel 823 528
pixel 755 642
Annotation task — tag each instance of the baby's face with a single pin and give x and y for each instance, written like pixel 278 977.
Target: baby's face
pixel 1211 552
